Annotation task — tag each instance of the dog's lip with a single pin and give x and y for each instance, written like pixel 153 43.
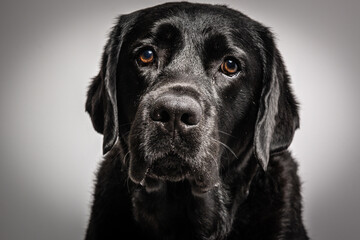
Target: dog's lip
pixel 175 169
pixel 171 167
pixel 200 187
pixel 139 170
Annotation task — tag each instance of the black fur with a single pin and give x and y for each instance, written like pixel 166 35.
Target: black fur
pixel 225 175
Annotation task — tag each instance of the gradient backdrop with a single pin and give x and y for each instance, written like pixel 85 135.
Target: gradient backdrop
pixel 49 151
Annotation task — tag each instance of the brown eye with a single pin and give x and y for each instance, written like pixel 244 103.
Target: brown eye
pixel 229 67
pixel 146 56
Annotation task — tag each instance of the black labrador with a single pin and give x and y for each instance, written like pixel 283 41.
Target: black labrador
pixel 195 107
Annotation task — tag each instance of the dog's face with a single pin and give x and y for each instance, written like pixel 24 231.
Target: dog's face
pixel 193 83
pixel 188 89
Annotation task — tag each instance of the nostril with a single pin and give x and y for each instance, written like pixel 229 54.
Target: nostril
pixel 160 115
pixel 172 112
pixel 190 119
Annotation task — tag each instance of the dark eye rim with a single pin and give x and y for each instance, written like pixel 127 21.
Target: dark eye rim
pixel 227 73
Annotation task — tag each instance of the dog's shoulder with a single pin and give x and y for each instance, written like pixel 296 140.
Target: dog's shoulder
pixel 274 200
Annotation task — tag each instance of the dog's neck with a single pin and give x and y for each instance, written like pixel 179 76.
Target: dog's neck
pixel 174 208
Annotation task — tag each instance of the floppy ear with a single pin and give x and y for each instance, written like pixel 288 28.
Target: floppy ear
pixel 101 103
pixel 277 117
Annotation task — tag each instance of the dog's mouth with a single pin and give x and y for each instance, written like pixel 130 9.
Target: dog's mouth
pixel 171 167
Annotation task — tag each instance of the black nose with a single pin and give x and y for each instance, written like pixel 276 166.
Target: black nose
pixel 176 112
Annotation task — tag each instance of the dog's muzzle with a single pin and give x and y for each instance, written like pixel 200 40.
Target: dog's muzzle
pixel 170 139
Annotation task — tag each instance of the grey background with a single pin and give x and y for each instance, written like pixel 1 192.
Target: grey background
pixel 49 152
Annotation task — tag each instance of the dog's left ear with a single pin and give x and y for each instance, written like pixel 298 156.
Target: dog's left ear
pixel 278 116
pixel 101 103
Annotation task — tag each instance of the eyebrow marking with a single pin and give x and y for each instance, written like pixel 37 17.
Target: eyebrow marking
pixel 216 46
pixel 167 35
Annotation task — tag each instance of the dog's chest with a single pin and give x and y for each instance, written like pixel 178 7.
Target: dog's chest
pixel 174 212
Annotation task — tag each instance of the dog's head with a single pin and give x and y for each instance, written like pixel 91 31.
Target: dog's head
pixel 186 89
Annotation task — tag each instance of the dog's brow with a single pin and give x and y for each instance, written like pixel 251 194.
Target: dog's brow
pixel 167 34
pixel 215 46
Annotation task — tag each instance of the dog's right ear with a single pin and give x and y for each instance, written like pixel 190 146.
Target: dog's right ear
pixel 101 103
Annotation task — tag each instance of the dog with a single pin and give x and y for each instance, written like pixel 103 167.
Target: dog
pixel 196 111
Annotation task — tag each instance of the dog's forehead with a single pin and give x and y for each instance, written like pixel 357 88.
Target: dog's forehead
pixel 195 19
pixel 196 23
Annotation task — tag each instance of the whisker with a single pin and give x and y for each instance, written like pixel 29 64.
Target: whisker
pixel 226 146
pixel 216 163
pixel 228 134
